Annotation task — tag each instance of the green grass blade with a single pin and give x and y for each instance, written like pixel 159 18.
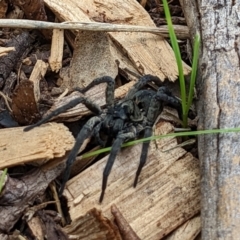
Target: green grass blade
pixel 180 134
pixel 177 53
pixel 194 70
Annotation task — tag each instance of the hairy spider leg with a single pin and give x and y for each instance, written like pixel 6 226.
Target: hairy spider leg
pixel 121 138
pixel 144 153
pixel 155 109
pixel 85 132
pixel 161 98
pixel 170 100
pixel 140 84
pixel 109 93
pixel 90 105
pixel 164 95
pixel 97 135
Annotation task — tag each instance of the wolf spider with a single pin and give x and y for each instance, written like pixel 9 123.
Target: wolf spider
pixel 120 122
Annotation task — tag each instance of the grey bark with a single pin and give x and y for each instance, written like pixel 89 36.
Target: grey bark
pixel 218 107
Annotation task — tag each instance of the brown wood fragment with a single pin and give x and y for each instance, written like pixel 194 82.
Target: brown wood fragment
pixel 166 196
pixel 92 58
pixel 125 229
pixel 37 74
pixel 3 8
pixel 43 143
pixel 34 9
pixel 24 105
pixel 18 194
pixel 93 225
pixel 55 59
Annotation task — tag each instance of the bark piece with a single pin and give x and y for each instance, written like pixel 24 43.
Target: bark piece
pixel 55 59
pixel 42 143
pixel 24 105
pixel 93 225
pixel 8 62
pixel 19 194
pixel 34 9
pixel 3 8
pixel 166 196
pixel 43 227
pixel 92 58
pixel 218 107
pixel 7 90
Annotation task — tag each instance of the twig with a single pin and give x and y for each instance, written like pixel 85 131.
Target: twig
pixel 125 229
pixel 181 31
pixel 57 201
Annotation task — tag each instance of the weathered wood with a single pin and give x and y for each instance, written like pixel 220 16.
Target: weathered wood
pixel 55 59
pixel 43 143
pixel 18 194
pixel 188 231
pixel 149 54
pixel 93 225
pixel 218 107
pixel 166 196
pixel 37 75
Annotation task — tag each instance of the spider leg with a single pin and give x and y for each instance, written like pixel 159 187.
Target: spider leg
pixel 164 95
pixel 90 105
pixel 121 138
pixel 155 108
pixel 144 153
pixel 96 135
pixel 109 90
pixel 141 83
pixel 85 132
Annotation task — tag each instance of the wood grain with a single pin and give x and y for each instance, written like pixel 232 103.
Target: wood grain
pixel 167 195
pixel 47 142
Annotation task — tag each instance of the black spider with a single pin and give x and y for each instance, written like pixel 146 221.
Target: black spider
pixel 120 121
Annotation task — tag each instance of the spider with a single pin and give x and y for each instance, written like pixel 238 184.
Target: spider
pixel 136 113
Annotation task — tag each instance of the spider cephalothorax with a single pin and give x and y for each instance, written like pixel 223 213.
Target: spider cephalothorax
pixel 120 122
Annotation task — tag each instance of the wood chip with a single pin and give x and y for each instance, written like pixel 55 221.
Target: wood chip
pixel 24 105
pixel 42 143
pixel 55 59
pixel 92 58
pixel 167 195
pixel 37 74
pixel 93 225
pixel 148 53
